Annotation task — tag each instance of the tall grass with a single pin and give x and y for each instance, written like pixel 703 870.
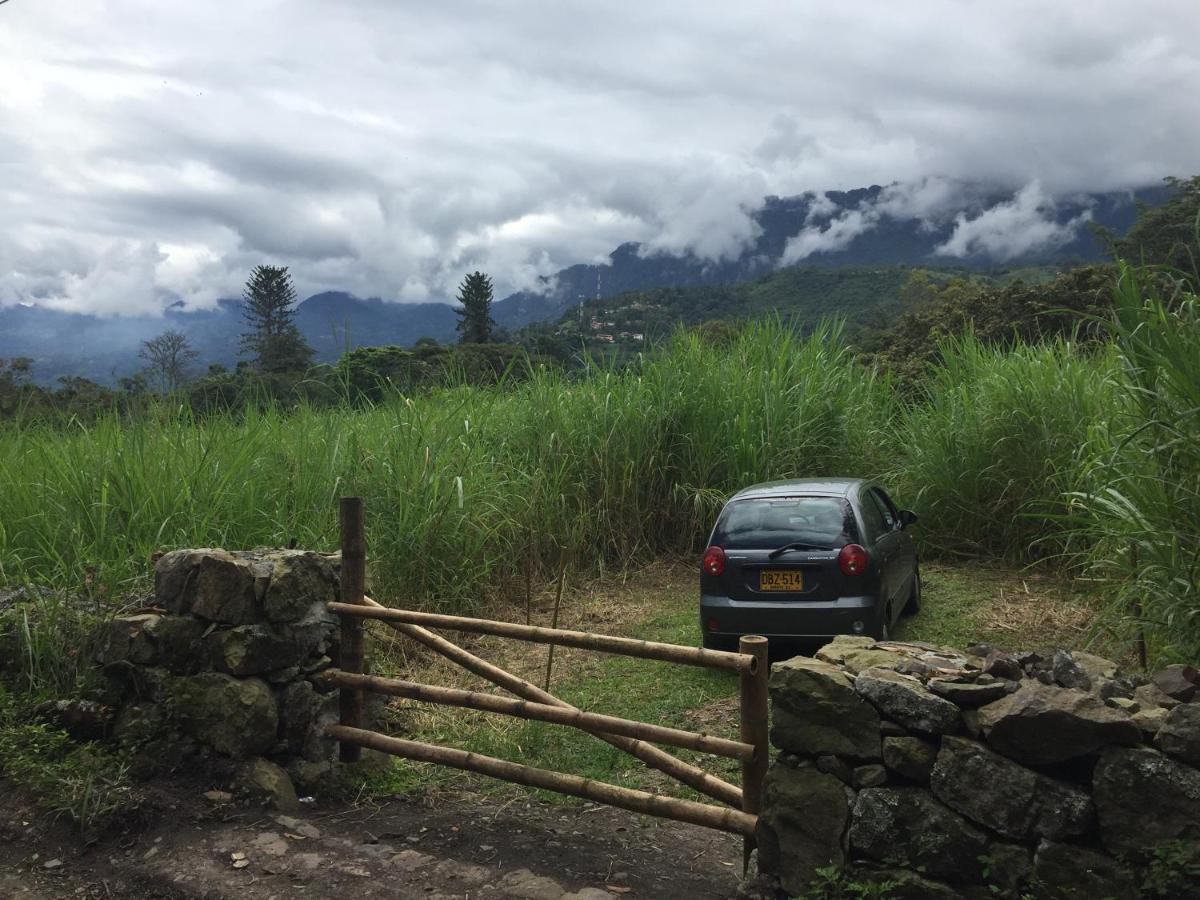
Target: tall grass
pixel 1020 452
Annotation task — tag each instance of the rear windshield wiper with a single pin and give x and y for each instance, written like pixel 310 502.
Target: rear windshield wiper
pixel 797 545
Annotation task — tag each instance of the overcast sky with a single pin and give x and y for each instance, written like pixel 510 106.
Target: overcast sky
pixel 152 150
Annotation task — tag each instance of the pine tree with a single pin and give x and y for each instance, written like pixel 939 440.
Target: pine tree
pixel 475 318
pixel 274 341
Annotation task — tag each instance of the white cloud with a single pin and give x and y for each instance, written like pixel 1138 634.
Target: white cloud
pixel 835 235
pixel 386 148
pixel 1006 230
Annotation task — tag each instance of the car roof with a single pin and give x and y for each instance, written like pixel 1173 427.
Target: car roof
pixel 801 487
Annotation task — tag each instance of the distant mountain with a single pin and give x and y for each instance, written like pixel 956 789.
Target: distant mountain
pixel 875 226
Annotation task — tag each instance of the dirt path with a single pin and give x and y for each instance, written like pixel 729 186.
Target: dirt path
pixel 461 845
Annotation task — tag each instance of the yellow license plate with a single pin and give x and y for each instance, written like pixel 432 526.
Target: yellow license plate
pixel 780 580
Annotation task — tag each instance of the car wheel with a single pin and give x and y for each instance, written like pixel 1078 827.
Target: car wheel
pixel 882 629
pixel 913 606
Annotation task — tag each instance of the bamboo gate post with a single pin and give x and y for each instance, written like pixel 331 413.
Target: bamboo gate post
pixel 353 581
pixel 753 730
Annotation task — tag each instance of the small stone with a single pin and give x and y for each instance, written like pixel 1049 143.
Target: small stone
pixel 970 695
pixel 1179 735
pixel 264 780
pixel 1149 696
pixel 1179 682
pixel 218 797
pixel 52 864
pixel 1068 673
pixel 241 863
pixel 407 860
pixel 1123 703
pixel 1003 665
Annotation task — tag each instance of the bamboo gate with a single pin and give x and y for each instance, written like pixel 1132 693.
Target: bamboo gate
pixel 738 812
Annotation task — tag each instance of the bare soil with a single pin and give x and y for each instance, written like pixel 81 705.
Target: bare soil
pixel 459 844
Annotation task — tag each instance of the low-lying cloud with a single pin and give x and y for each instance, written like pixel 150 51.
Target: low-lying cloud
pixel 156 152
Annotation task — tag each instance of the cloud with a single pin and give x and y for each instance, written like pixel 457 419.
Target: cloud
pixel 1007 230
pixel 835 235
pixel 155 151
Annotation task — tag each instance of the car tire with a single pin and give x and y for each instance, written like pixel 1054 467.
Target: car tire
pixel 881 633
pixel 913 605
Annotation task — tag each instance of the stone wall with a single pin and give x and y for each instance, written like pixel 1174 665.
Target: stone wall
pixel 980 773
pixel 220 673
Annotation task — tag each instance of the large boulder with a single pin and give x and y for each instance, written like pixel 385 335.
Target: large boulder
pixel 1005 797
pixel 815 710
pixel 1179 734
pixel 234 716
pixel 1042 724
pixel 1144 799
pixel 300 581
pixel 1070 871
pixel 800 829
pixel 904 699
pixel 303 715
pixel 210 583
pixel 264 781
pixel 904 826
pixel 178 641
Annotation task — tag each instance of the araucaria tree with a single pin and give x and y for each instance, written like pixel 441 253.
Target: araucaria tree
pixel 475 318
pixel 274 341
pixel 167 357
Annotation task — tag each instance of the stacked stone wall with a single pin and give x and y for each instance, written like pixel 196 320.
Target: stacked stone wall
pixel 221 671
pixel 981 773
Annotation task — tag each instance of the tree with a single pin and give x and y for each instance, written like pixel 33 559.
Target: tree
pixel 1166 235
pixel 475 318
pixel 273 340
pixel 168 356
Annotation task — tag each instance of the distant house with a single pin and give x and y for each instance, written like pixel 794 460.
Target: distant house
pixel 607 338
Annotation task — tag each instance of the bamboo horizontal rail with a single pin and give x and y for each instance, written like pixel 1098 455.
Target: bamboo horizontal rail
pixel 541 712
pixel 693 656
pixel 655 757
pixel 730 820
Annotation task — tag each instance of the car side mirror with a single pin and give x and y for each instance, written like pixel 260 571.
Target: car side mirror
pixel 907 517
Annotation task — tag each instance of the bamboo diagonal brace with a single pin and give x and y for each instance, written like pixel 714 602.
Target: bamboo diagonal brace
pixel 527 709
pixel 693 776
pixel 605 643
pixel 731 820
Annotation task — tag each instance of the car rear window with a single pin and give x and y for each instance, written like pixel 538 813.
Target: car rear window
pixel 769 522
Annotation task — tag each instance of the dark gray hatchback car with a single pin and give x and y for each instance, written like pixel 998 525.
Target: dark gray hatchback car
pixel 800 561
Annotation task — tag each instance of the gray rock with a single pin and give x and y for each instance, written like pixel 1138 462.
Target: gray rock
pixel 911 757
pixel 1008 867
pixel 126 639
pixel 1068 673
pixel 902 885
pixel 254 649
pixel 1125 704
pixel 237 717
pixel 835 766
pixel 970 695
pixel 1179 682
pixel 1003 665
pixel 906 827
pixel 815 710
pixel 1097 668
pixel 211 584
pixel 308 776
pixel 267 782
pixel 1041 724
pixel 1144 799
pixel 178 642
pixel 1149 696
pixel 1070 871
pixel 303 715
pixel 1005 797
pixel 870 775
pixel 300 581
pixel 904 699
pixel 835 651
pixel 1150 720
pixel 800 828
pixel 139 723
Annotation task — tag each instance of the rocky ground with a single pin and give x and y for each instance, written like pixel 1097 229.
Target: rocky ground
pixel 460 845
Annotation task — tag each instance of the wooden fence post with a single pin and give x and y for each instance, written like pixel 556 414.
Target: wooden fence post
pixel 754 714
pixel 354 571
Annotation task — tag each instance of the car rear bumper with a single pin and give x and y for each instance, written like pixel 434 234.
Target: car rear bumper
pixel 800 620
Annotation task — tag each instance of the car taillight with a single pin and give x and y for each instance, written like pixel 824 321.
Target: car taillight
pixel 852 560
pixel 714 561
